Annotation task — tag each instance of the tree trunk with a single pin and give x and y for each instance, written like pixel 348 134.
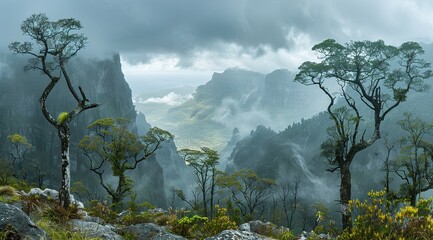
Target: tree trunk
pixel 65 188
pixel 345 195
pixel 413 193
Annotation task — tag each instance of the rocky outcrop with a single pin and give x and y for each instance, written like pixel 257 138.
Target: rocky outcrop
pixel 52 194
pixel 150 231
pixel 94 230
pixel 237 235
pixel 263 228
pixel 17 225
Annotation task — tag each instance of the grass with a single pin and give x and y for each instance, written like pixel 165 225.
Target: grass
pixel 8 194
pixel 61 232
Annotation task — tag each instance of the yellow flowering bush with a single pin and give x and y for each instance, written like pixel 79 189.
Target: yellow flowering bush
pixel 198 227
pixel 375 221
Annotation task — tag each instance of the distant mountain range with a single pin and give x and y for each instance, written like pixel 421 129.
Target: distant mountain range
pixel 235 98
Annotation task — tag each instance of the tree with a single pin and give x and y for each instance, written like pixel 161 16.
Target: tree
pixel 415 163
pixel 20 147
pixel 248 190
pixel 112 144
pixel 54 44
pixel 387 167
pixel 289 196
pixel 370 74
pixel 204 163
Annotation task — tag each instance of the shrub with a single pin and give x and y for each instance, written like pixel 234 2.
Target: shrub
pixel 219 223
pixel 8 194
pixel 58 214
pixel 102 211
pixel 201 227
pixel 188 226
pixel 132 218
pixel 375 221
pixel 7 191
pixel 287 235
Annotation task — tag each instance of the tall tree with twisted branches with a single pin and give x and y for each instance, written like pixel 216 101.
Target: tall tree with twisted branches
pixel 368 73
pixel 53 44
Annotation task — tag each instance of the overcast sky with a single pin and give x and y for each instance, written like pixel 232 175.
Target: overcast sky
pixel 207 36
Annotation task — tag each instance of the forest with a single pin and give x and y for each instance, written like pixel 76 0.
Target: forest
pixel 79 162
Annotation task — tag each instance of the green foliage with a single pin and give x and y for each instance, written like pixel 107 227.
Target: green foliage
pixel 204 163
pixel 58 214
pixel 219 223
pixel 32 205
pixel 413 165
pixel 112 144
pixel 102 211
pixel 248 190
pixel 188 226
pixel 145 217
pixel 6 172
pixel 287 235
pixel 9 232
pixel 234 212
pixel 19 139
pixel 8 194
pixel 375 221
pixel 198 227
pixel 7 191
pixel 139 213
pixel 63 116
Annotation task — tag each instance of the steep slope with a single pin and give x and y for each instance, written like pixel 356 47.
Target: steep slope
pixel 103 82
pixel 296 150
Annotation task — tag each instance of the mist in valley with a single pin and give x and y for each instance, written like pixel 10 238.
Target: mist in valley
pixel 260 118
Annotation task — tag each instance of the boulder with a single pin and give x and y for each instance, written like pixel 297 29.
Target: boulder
pixel 237 235
pixel 52 194
pixel 18 225
pixel 266 228
pixel 94 230
pixel 150 231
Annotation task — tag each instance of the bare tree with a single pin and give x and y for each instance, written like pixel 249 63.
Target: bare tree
pixel 289 196
pixel 54 44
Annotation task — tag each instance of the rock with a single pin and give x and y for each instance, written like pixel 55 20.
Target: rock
pixel 52 194
pixel 150 231
pixel 237 235
pixel 245 227
pixel 94 230
pixel 268 229
pixel 157 211
pixel 19 224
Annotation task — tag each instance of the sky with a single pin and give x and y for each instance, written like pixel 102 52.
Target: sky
pixel 190 39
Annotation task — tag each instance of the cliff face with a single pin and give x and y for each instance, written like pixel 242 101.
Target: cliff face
pixel 103 82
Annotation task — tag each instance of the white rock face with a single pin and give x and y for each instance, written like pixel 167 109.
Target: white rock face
pixel 52 194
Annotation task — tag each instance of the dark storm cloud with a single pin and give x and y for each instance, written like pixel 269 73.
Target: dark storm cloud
pixel 140 29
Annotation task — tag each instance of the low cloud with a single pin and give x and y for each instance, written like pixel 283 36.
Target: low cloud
pixel 171 99
pixel 259 31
